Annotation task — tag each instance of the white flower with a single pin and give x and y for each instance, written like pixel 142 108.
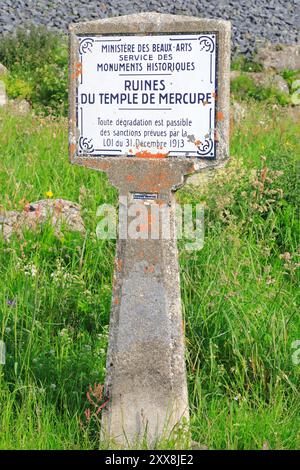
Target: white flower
pixel 30 270
pixel 63 332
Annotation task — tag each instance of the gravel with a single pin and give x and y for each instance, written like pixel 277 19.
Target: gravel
pixel 253 21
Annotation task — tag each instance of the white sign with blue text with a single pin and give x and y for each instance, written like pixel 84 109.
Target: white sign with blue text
pixel 148 95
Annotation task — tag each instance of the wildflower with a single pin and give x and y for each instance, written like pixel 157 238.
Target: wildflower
pixel 11 302
pixel 33 270
pixel 97 393
pixel 87 414
pixel 49 194
pixel 63 332
pixel 30 270
pixel 286 256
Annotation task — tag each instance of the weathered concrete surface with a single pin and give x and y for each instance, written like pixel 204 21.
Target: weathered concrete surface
pixel 146 377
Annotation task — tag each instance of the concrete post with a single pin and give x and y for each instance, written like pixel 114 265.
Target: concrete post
pixel 146 379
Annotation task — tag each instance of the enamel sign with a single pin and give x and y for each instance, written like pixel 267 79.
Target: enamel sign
pixel 148 95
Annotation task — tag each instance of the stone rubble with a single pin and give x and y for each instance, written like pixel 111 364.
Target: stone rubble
pixel 59 212
pixel 253 21
pixel 265 80
pixel 279 57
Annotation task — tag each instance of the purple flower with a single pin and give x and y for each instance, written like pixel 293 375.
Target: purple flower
pixel 11 302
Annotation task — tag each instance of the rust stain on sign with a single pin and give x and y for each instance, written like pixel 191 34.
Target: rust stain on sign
pixel 146 154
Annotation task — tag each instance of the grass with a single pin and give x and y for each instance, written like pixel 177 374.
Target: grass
pixel 243 88
pixel 239 293
pixel 242 63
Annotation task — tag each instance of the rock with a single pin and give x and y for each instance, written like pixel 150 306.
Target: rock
pixel 198 446
pixel 272 81
pixel 279 57
pixel 3 70
pixel 293 113
pixel 264 79
pixel 59 212
pixel 3 96
pixel 18 107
